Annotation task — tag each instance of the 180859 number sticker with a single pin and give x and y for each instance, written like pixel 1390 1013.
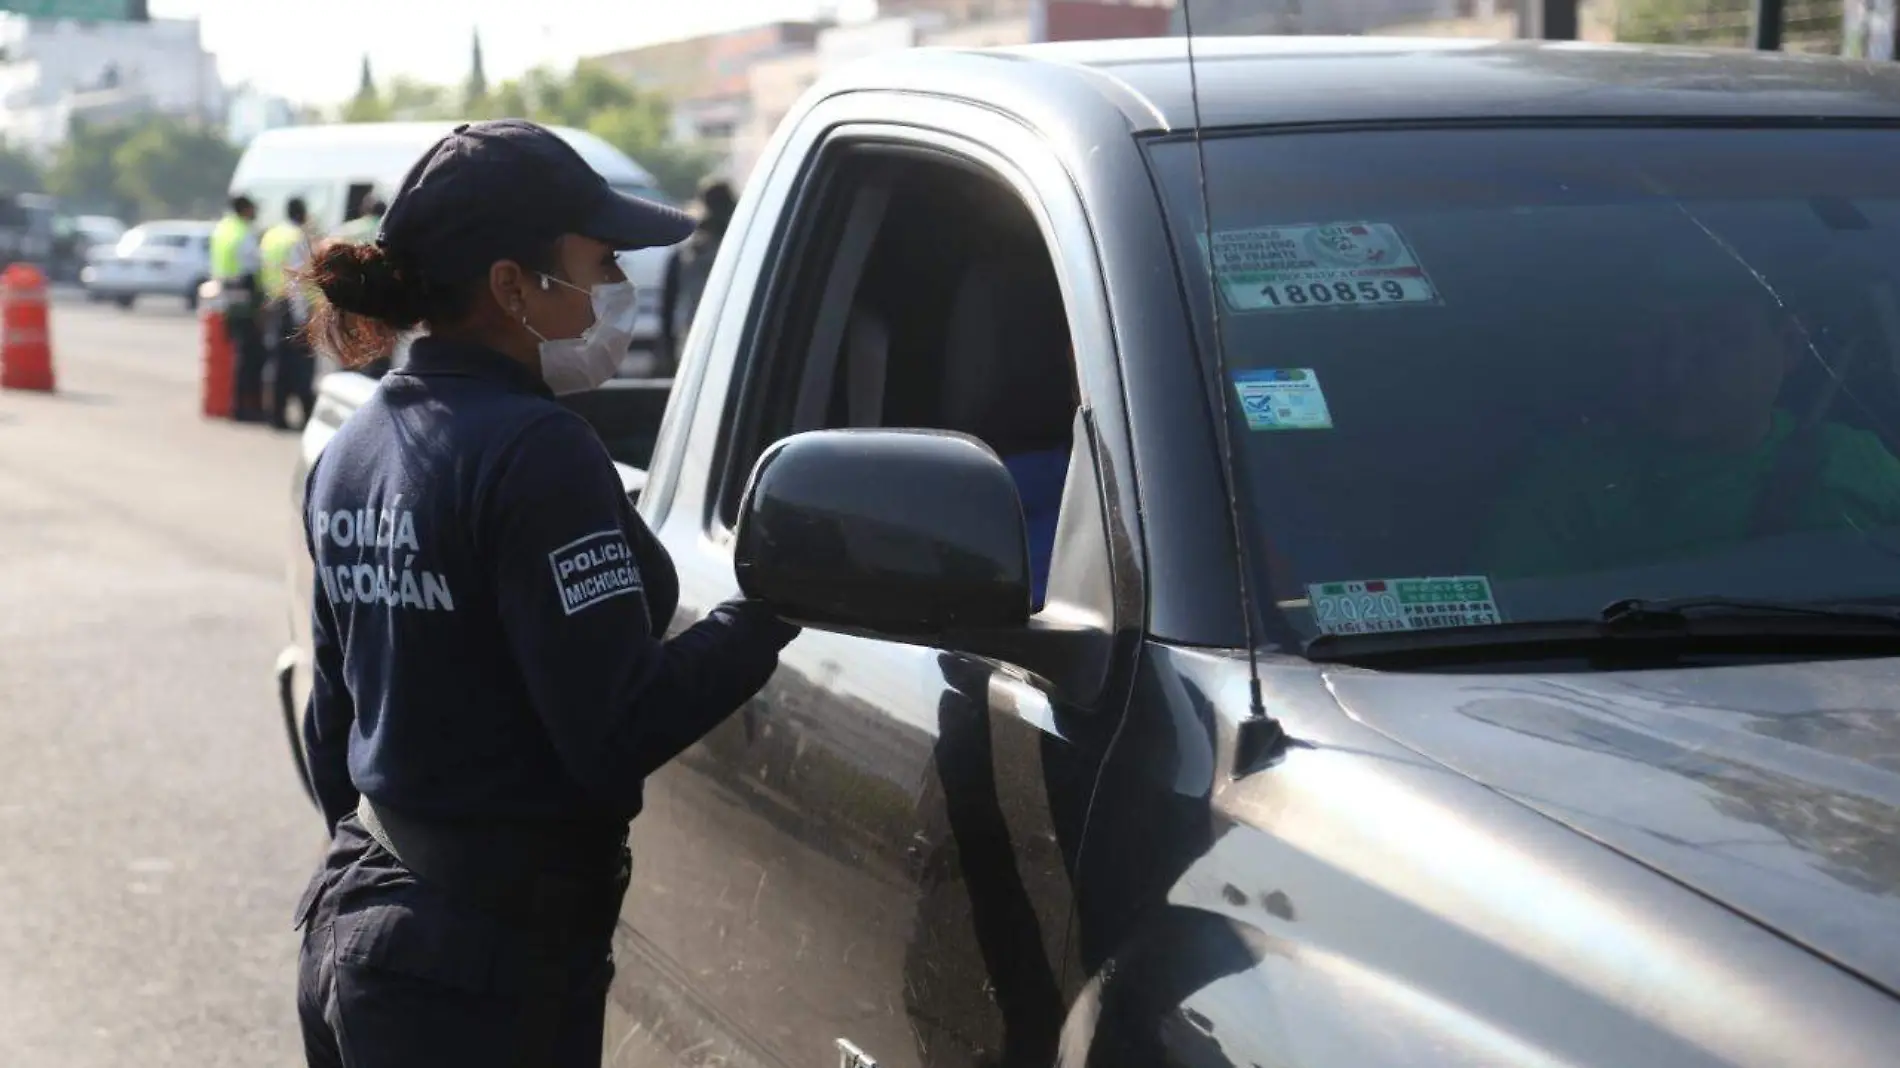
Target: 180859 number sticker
pixel 1334 265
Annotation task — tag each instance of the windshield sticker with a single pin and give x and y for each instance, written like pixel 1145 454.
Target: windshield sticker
pixel 1282 399
pixel 1300 268
pixel 1402 604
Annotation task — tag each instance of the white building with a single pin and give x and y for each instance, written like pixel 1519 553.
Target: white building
pixel 53 70
pixel 250 113
pixel 1231 17
pixel 775 84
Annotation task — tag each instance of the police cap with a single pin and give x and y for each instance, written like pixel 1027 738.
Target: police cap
pixel 501 190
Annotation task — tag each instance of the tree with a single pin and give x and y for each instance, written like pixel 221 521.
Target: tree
pixel 367 105
pixel 590 98
pixel 409 100
pixel 477 87
pixel 19 171
pixel 153 166
pixel 637 123
pixel 1724 23
pixel 169 167
pixel 83 171
pixel 642 134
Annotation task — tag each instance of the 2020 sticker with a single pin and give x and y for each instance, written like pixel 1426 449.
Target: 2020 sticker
pixel 1312 266
pixel 1374 605
pixel 1282 399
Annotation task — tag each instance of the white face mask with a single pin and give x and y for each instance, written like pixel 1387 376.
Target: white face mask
pixel 578 364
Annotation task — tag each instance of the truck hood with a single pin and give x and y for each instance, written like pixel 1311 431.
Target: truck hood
pixel 1773 789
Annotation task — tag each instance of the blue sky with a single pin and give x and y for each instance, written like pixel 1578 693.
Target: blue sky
pixel 310 50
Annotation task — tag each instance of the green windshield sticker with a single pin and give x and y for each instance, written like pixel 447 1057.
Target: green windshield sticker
pixel 1402 604
pixel 1282 399
pixel 1306 267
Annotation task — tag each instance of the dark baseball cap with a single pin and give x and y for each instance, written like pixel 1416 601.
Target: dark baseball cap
pixel 504 189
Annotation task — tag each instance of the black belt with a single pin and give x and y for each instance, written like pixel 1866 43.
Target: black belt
pixel 515 868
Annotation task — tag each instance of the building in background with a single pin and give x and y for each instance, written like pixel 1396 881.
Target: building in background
pixel 730 91
pixel 1234 17
pixel 956 11
pixel 773 85
pixel 251 112
pixel 674 69
pixel 58 70
pixel 708 79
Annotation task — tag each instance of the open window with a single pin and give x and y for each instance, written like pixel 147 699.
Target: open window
pixel 921 293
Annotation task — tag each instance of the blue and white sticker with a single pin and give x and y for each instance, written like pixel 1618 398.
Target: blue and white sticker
pixel 1283 399
pixel 593 569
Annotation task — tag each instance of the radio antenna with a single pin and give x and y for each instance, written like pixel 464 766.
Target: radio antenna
pixel 1261 736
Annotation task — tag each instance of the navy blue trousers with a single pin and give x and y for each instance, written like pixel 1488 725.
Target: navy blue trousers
pixel 398 972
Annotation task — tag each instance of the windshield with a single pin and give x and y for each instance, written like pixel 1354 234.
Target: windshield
pixel 1485 375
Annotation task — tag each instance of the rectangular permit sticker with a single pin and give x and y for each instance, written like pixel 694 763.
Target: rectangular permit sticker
pixel 1378 605
pixel 1301 268
pixel 1282 399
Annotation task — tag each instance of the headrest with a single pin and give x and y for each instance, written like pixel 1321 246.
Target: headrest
pixel 1008 373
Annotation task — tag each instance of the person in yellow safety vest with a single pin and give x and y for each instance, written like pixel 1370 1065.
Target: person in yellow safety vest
pixel 285 251
pixel 235 262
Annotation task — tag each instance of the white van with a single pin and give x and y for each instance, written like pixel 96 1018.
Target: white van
pixel 332 167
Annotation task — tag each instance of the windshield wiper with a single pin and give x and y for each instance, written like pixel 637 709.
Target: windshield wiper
pixel 1636 611
pixel 1638 629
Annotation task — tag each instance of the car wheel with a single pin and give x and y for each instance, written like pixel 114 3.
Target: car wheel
pixel 126 300
pixel 191 296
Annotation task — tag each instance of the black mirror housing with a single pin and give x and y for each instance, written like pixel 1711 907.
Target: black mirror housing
pixel 903 533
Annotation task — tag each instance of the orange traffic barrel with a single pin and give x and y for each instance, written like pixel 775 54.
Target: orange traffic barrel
pixel 219 364
pixel 26 351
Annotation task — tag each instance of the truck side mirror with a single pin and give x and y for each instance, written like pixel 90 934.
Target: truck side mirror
pixel 895 533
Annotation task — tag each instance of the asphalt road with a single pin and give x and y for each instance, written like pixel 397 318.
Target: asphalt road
pixel 152 838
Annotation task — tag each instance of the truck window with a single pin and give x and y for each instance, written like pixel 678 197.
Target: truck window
pixel 951 318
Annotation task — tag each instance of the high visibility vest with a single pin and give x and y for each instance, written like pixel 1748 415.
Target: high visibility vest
pixel 273 253
pixel 226 243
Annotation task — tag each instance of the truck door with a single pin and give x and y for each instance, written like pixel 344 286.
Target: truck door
pixel 874 855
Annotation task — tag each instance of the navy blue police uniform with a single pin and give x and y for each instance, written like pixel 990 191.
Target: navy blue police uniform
pixel 491 685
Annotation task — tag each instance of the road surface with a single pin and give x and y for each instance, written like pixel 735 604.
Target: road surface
pixel 152 838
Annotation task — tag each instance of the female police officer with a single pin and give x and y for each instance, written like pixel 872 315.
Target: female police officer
pixel 490 682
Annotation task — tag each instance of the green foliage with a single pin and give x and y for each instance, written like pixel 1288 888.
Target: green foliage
pixel 1725 23
pixel 168 167
pixel 588 98
pixel 477 86
pixel 155 166
pixel 82 172
pixel 367 105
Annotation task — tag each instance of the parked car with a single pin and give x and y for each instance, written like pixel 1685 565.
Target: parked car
pixel 170 258
pixel 1131 460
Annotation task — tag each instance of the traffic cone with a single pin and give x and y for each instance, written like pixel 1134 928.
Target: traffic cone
pixel 219 363
pixel 26 353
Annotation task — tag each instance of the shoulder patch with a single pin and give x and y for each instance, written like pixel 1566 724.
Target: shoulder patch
pixel 593 569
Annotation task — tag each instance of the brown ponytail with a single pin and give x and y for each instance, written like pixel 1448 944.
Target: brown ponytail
pixel 368 302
